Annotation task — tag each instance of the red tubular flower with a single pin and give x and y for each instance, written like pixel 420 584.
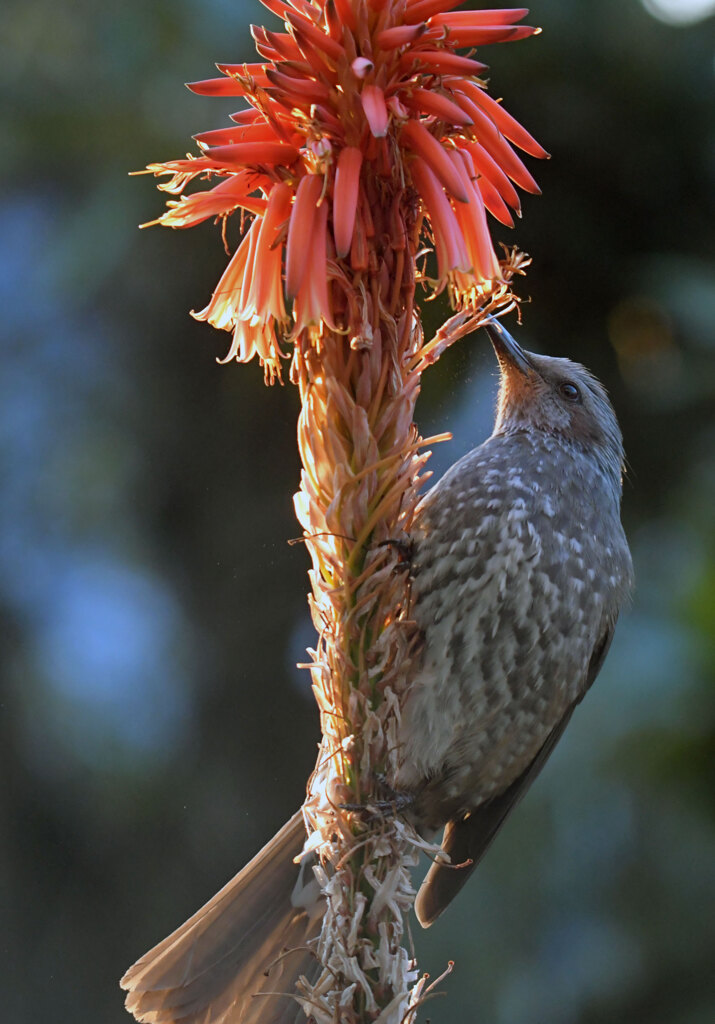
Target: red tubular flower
pixel 300 230
pixel 353 91
pixel 345 197
pixel 373 104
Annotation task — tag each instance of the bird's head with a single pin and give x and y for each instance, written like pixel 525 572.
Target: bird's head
pixel 558 397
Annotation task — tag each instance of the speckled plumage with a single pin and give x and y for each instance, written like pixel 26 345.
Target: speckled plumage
pixel 520 566
pixel 518 569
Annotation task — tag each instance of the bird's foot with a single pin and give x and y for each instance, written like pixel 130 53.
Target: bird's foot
pixel 389 803
pixel 403 548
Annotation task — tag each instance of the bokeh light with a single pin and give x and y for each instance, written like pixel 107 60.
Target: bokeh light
pixel 680 12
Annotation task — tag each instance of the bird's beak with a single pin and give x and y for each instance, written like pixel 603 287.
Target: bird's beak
pixel 507 350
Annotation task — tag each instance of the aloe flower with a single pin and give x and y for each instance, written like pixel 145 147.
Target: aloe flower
pixel 353 103
pixel 369 159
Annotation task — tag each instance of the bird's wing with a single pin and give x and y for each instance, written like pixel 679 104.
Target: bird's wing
pixel 466 840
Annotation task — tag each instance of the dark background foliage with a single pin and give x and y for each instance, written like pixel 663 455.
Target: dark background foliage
pixel 154 731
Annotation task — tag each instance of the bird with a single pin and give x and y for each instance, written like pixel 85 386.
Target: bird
pixel 519 568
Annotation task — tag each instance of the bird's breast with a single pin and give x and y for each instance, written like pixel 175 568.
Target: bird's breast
pixel 511 586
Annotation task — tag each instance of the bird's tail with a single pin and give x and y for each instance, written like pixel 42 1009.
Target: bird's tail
pixel 237 960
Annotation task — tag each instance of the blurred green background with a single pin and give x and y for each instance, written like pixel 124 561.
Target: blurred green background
pixel 154 731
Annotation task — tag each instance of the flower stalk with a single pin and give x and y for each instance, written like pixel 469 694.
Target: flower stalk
pixel 366 142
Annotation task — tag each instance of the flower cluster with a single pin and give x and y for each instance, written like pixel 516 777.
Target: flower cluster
pixel 354 95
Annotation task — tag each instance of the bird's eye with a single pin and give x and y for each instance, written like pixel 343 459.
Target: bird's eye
pixel 570 392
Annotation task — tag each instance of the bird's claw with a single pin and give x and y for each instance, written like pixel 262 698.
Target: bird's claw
pixel 403 548
pixel 393 803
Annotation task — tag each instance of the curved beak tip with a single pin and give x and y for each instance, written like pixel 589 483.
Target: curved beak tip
pixel 506 348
